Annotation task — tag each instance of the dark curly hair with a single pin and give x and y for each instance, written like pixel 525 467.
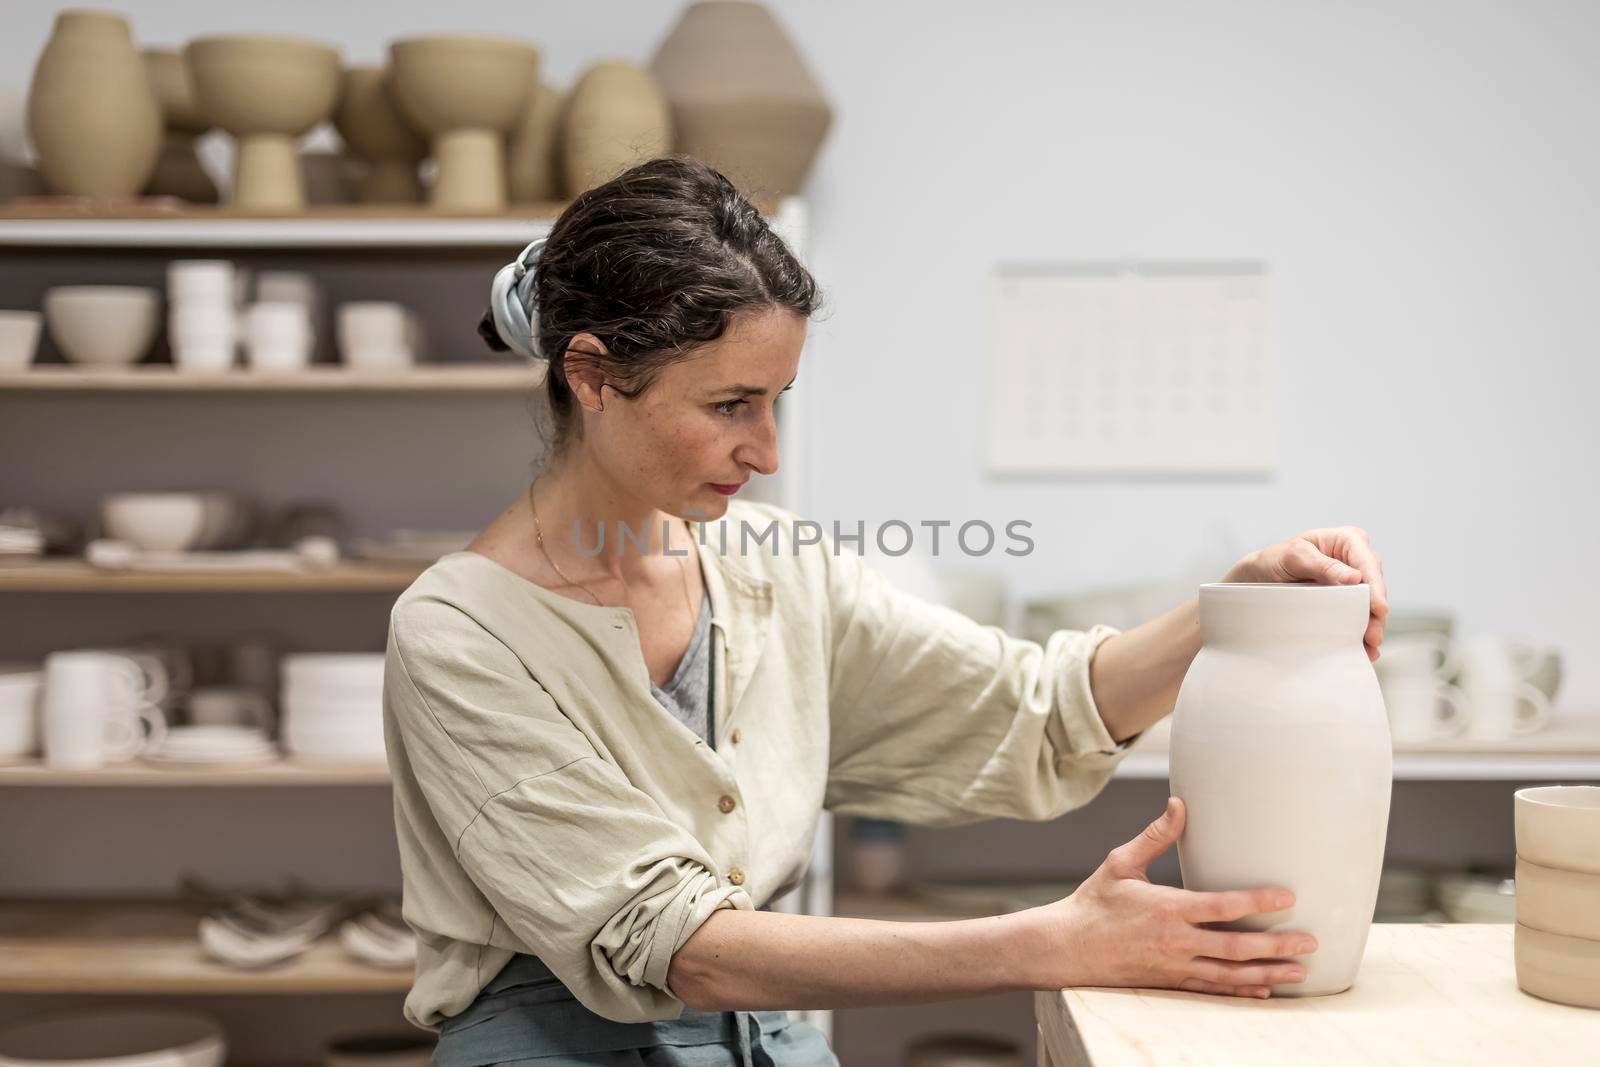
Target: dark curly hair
pixel 654 263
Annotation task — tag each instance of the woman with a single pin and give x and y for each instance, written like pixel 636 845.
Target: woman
pixel 607 764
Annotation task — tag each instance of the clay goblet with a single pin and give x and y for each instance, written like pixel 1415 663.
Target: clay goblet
pixel 178 171
pixel 466 93
pixel 373 127
pixel 268 92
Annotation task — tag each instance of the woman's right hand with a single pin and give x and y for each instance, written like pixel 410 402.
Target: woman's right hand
pixel 1118 929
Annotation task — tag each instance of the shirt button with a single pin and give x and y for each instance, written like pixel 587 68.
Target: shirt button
pixel 736 876
pixel 735 737
pixel 725 805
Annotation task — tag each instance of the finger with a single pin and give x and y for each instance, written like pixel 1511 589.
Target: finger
pixel 1229 972
pixel 1232 904
pixel 1156 838
pixel 1195 985
pixel 1225 945
pixel 1305 559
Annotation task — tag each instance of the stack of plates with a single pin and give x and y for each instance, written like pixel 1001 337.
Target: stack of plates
pixel 333 705
pixel 214 743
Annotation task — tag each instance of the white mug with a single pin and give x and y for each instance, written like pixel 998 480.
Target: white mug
pixel 1505 710
pixel 1426 710
pixel 1417 657
pixel 97 709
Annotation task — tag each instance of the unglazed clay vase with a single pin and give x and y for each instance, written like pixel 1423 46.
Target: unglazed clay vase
pixel 92 116
pixel 531 174
pixel 1281 754
pixel 373 128
pixel 268 92
pixel 465 93
pixel 616 117
pixel 742 99
pixel 178 171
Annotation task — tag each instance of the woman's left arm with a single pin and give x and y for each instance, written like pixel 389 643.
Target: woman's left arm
pixel 1136 674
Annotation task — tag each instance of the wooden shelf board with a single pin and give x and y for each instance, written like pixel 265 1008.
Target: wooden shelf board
pixel 152 946
pixel 74 576
pixel 330 378
pixel 289 771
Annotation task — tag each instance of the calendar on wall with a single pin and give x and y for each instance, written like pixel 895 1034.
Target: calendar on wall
pixel 1130 368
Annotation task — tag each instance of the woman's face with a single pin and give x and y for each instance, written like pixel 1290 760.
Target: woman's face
pixel 705 425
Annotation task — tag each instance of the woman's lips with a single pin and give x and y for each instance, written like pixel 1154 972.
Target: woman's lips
pixel 726 490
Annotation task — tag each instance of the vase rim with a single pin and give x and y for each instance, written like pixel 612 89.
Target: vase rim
pixel 1279 585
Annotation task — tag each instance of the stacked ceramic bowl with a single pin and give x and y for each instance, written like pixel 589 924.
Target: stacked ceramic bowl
pixel 280 327
pixel 333 706
pixel 202 321
pixel 1558 893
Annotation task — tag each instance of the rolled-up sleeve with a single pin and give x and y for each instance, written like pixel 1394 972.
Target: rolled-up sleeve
pixel 939 720
pixel 584 870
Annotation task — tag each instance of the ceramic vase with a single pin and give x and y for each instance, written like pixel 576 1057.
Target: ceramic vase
pixel 268 92
pixel 1281 754
pixel 531 160
pixel 466 93
pixel 178 171
pixel 92 116
pixel 373 128
pixel 741 96
pixel 616 117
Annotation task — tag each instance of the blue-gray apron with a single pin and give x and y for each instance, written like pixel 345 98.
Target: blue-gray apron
pixel 526 1015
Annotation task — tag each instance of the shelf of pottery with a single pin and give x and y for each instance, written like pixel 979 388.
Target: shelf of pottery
pixel 243 403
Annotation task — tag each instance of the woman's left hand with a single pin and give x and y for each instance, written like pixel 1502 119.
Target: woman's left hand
pixel 1339 555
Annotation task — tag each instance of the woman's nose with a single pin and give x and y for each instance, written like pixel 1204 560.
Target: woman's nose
pixel 760 453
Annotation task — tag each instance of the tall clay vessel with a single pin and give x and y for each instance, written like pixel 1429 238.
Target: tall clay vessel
pixel 1281 754
pixel 92 115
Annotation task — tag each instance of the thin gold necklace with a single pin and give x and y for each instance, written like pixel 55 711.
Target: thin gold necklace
pixel 538 535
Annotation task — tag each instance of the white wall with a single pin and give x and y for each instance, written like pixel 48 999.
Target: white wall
pixel 1419 177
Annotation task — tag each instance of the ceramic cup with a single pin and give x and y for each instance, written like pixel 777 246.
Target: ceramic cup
pixel 1423 710
pixel 19 339
pixel 99 708
pixel 1496 675
pixel 378 335
pixel 223 705
pixel 21 691
pixel 1417 657
pixel 278 336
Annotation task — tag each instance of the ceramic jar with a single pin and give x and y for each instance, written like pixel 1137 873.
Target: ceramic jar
pixel 741 96
pixel 371 125
pixel 616 118
pixel 92 115
pixel 178 171
pixel 1281 754
pixel 531 175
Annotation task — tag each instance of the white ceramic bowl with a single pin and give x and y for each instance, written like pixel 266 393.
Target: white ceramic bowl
pixel 1554 967
pixel 102 325
pixel 21 697
pixel 19 339
pixel 1557 901
pixel 330 671
pixel 1476 898
pixel 1559 826
pixel 115 1038
pixel 169 522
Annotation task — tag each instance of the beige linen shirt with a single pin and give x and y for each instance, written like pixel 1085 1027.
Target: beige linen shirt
pixel 546 803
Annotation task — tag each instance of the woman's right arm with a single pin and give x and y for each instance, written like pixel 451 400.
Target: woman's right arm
pixel 1118 929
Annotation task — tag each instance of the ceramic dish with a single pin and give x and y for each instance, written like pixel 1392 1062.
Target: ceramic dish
pixel 102 325
pixel 1559 826
pixel 116 1038
pixel 1557 901
pixel 1553 967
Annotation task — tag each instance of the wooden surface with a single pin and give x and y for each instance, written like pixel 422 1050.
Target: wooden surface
pixel 282 772
pixel 319 378
pixel 73 576
pixel 152 946
pixel 1426 994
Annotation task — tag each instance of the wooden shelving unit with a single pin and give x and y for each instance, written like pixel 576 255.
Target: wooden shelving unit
pixel 150 946
pixel 73 576
pixel 331 378
pixel 284 772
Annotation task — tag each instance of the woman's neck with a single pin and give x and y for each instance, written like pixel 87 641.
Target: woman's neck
pixel 578 492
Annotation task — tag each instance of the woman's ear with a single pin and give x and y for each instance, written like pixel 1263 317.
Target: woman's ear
pixel 584 376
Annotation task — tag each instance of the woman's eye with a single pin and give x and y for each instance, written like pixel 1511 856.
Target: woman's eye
pixel 726 407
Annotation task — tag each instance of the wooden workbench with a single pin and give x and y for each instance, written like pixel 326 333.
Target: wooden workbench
pixel 1426 994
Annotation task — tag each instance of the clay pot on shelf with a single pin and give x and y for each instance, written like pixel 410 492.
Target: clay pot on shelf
pixel 532 174
pixel 616 117
pixel 465 93
pixel 1281 754
pixel 178 171
pixel 372 126
pixel 92 116
pixel 268 92
pixel 741 96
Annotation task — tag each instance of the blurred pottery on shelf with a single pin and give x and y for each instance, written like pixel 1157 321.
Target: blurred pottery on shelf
pixel 532 172
pixel 92 116
pixel 178 171
pixel 615 117
pixel 375 131
pixel 466 93
pixel 102 325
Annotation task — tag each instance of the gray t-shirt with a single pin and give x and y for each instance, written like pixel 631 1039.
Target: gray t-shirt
pixel 687 695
